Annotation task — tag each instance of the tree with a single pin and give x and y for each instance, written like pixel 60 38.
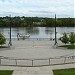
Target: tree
pixel 2 39
pixel 64 38
pixel 72 38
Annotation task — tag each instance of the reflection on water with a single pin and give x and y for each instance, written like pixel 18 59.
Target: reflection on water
pixel 32 30
pixel 37 32
pixel 49 30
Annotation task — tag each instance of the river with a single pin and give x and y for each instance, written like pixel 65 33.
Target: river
pixel 37 32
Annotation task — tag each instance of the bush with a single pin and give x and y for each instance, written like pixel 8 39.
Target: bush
pixel 2 39
pixel 64 38
pixel 72 38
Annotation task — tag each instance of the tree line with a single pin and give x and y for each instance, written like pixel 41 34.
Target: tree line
pixel 36 22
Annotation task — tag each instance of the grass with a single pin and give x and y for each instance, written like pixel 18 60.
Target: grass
pixel 68 46
pixel 3 46
pixel 70 71
pixel 6 72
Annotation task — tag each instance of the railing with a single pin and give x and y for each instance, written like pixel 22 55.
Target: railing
pixel 33 39
pixel 11 61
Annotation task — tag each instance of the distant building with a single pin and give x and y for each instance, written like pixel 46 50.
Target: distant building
pixel 38 23
pixel 22 18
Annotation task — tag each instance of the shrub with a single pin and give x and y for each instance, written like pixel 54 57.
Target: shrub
pixel 72 38
pixel 2 39
pixel 64 38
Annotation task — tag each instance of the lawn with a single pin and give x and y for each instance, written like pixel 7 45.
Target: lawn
pixel 70 71
pixel 6 72
pixel 68 46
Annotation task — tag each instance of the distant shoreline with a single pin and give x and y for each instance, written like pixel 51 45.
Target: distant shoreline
pixel 36 26
pixel 36 22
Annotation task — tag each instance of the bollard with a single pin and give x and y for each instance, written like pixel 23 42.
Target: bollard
pixel 16 62
pixel 0 61
pixel 49 61
pixel 65 60
pixel 32 62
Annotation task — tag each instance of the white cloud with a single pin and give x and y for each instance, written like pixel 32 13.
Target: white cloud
pixel 39 7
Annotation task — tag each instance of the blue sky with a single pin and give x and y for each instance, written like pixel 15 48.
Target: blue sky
pixel 40 8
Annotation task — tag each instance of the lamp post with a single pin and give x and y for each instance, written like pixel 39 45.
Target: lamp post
pixel 10 42
pixel 55 32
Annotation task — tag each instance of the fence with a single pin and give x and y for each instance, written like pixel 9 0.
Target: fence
pixel 10 61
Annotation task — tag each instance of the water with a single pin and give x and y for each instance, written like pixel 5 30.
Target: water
pixel 37 32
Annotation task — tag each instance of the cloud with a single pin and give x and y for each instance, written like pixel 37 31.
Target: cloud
pixel 40 11
pixel 38 7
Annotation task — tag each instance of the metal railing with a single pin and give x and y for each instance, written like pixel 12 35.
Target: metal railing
pixel 51 39
pixel 11 61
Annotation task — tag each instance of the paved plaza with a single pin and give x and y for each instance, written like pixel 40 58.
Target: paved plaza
pixel 31 50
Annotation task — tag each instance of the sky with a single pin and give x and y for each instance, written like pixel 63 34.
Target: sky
pixel 37 8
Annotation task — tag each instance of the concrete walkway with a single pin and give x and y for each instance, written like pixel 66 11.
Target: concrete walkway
pixel 34 49
pixel 45 70
pixel 37 50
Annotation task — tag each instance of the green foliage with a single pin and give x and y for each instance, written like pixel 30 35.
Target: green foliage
pixel 2 39
pixel 29 22
pixel 72 38
pixel 70 71
pixel 68 46
pixel 49 22
pixel 64 38
pixel 6 72
pixel 71 46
